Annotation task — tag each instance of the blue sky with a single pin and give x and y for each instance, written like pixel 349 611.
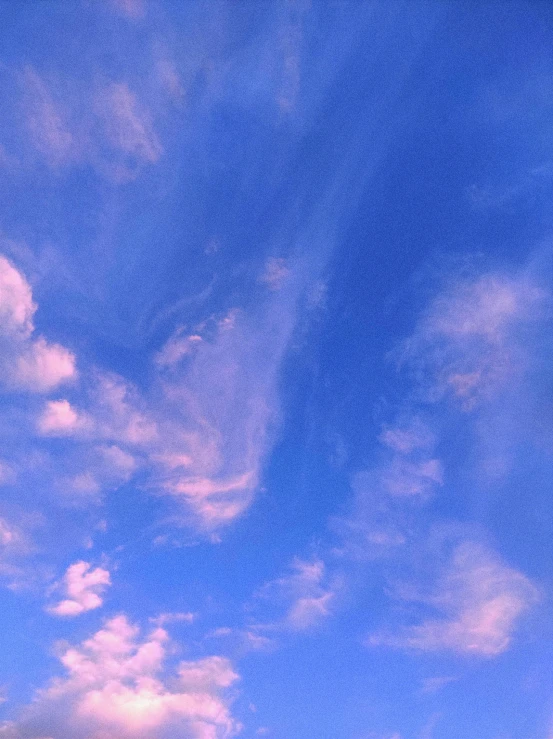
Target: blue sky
pixel 276 390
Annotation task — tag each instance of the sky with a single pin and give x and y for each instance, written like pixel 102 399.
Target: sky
pixel 276 388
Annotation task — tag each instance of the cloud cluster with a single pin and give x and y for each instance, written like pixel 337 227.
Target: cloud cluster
pixel 28 362
pixel 199 433
pixel 114 689
pixel 83 587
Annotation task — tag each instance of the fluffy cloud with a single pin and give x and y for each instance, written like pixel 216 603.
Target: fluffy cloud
pixel 59 418
pixel 28 363
pixel 114 689
pixel 84 588
pixel 480 600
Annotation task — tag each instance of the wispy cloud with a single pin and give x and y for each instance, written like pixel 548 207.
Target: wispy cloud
pixel 470 341
pixel 114 686
pixel 84 588
pixel 47 121
pixel 127 123
pixel 479 601
pixel 75 122
pixel 164 619
pixel 306 595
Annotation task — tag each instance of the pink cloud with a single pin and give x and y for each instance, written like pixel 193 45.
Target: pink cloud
pixel 469 340
pixel 480 599
pixel 171 618
pixel 275 273
pixel 16 301
pixel 133 9
pixel 59 418
pixel 46 121
pixel 84 588
pixel 114 686
pixel 305 593
pixel 28 363
pixel 127 124
pixel 41 366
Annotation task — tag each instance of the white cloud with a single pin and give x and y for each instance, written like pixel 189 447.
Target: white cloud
pixel 84 588
pixel 480 600
pixel 114 687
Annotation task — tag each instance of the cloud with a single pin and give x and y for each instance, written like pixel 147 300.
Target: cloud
pixel 16 302
pixel 133 9
pixel 76 122
pixel 84 588
pixel 7 474
pixel 28 363
pixel 470 341
pixel 127 124
pixel 304 593
pixel 171 618
pixel 114 687
pixel 47 121
pixel 479 599
pixel 222 410
pixel 275 273
pixel 59 418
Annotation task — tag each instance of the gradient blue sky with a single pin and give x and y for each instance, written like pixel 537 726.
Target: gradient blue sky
pixel 275 363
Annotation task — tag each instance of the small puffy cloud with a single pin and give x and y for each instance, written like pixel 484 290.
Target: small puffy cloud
pixel 59 418
pixel 16 301
pixel 28 363
pixel 41 366
pixel 480 600
pixel 84 588
pixel 114 686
